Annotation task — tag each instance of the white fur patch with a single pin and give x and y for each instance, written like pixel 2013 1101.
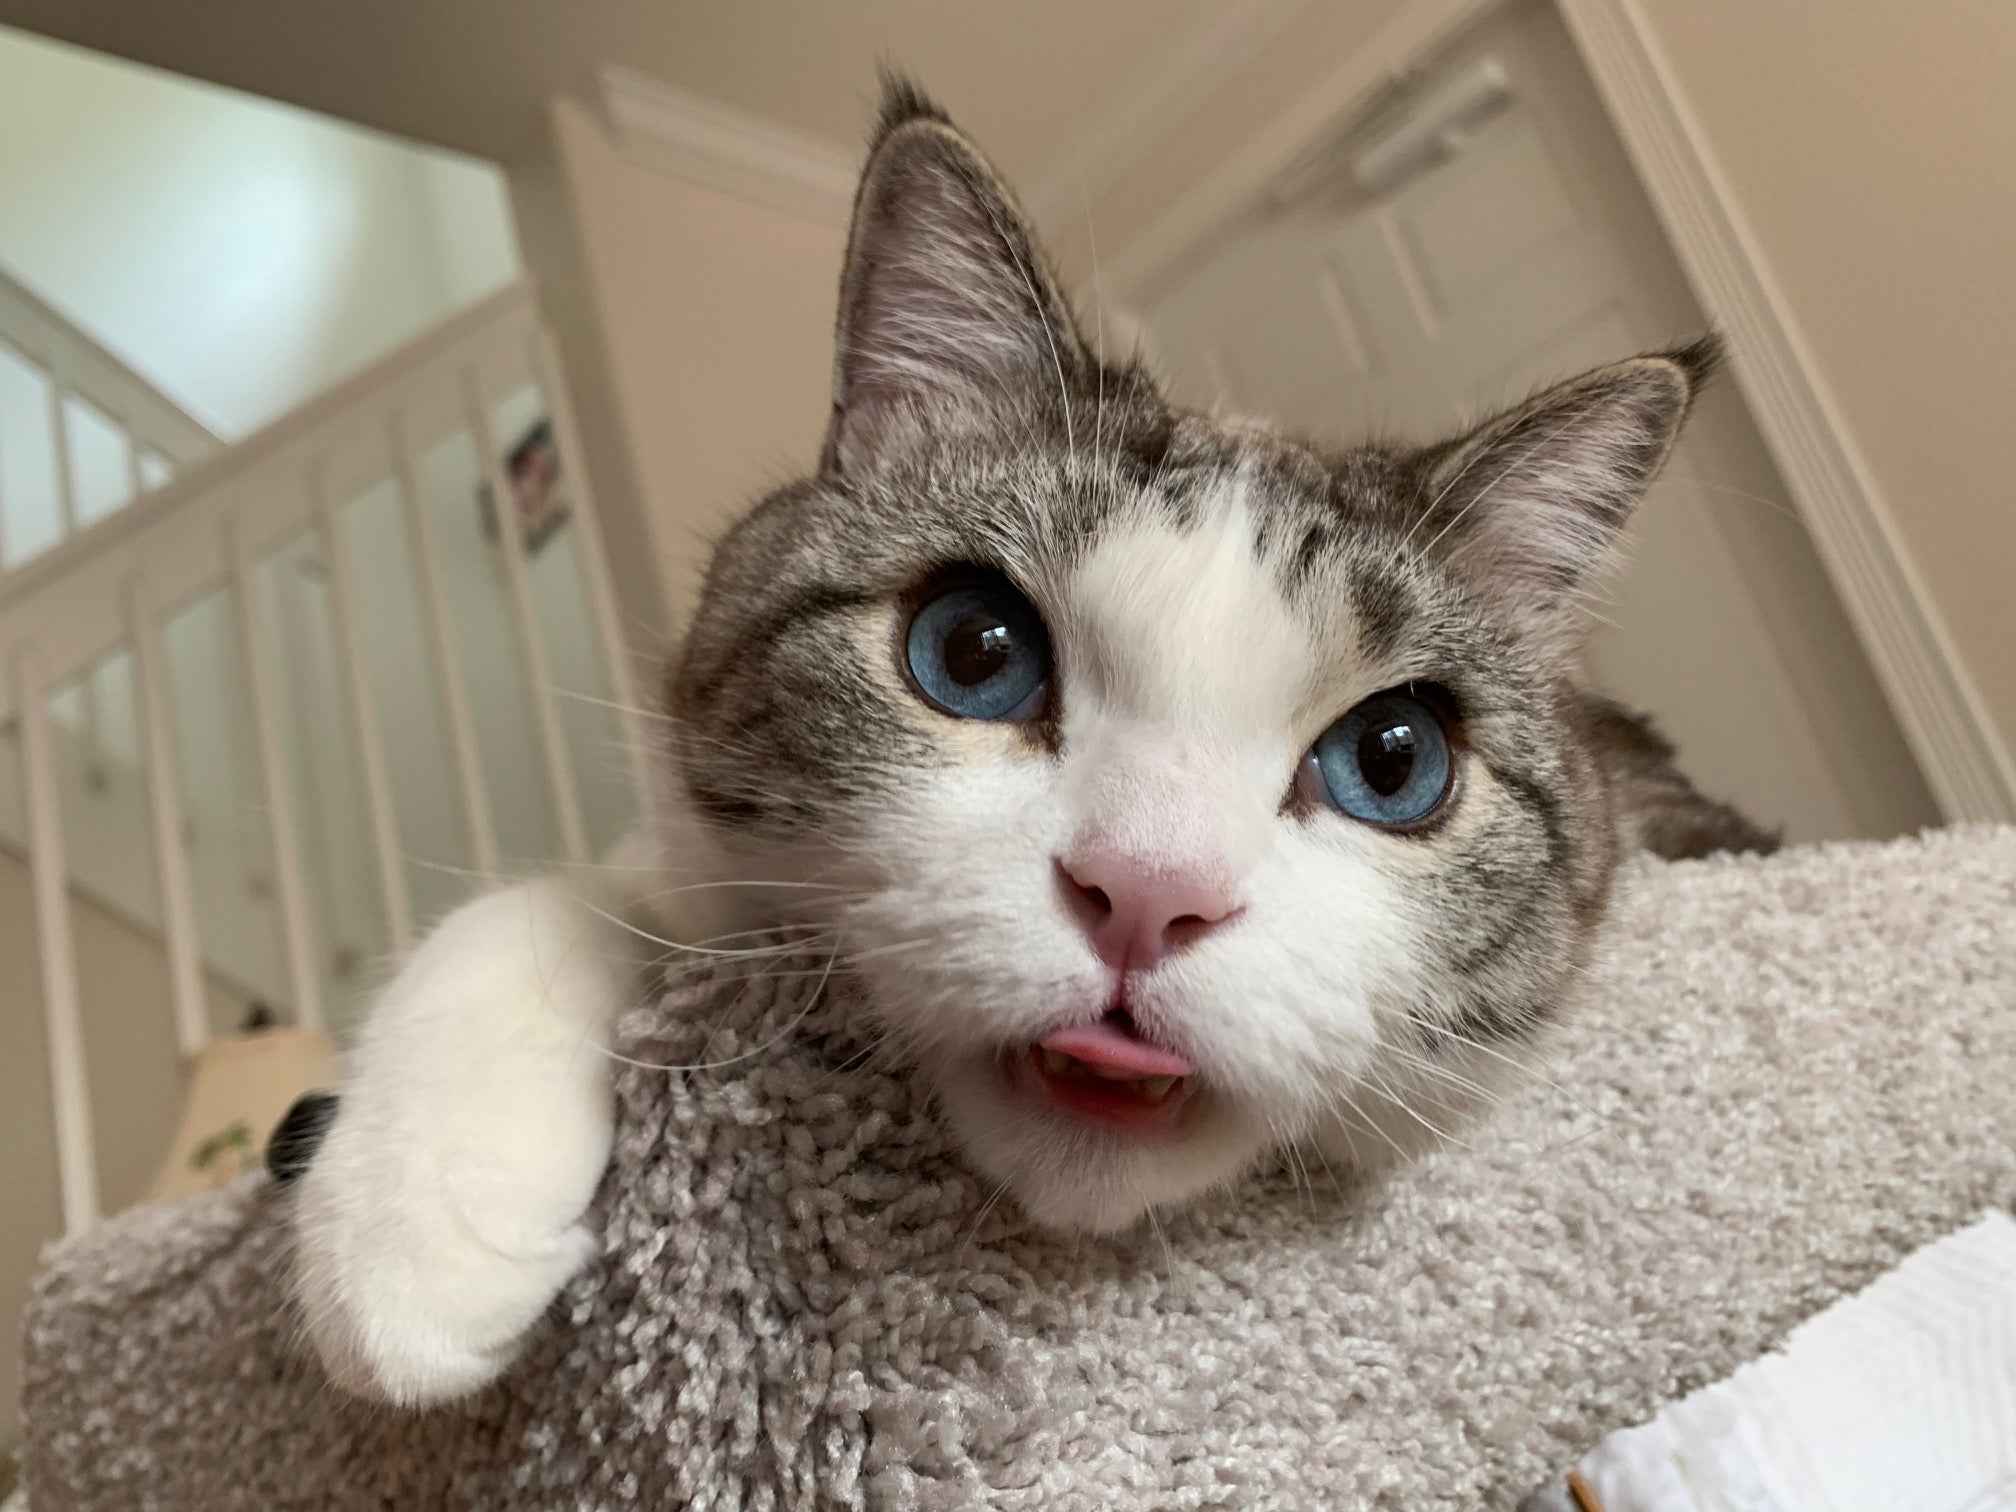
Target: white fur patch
pixel 1184 627
pixel 443 1210
pixel 1184 673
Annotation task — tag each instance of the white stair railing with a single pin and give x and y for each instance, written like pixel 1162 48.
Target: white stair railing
pixel 274 522
pixel 71 411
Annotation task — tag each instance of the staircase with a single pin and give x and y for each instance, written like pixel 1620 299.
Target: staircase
pixel 106 435
pixel 272 705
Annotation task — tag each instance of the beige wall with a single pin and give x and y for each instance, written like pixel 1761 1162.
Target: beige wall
pixel 711 318
pixel 1872 148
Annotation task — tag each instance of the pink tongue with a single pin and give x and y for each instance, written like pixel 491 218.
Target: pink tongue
pixel 1115 1051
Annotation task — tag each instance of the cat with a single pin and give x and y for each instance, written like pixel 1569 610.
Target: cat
pixel 1180 791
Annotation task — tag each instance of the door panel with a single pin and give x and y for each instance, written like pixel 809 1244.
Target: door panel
pixel 1466 227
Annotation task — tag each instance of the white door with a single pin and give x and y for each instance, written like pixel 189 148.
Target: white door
pixel 1522 254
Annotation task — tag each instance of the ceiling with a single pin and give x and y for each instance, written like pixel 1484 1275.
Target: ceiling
pixel 1044 83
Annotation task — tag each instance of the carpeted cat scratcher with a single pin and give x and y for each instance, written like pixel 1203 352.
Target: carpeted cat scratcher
pixel 1798 1070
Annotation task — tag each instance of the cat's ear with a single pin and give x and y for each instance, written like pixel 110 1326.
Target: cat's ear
pixel 1529 504
pixel 948 311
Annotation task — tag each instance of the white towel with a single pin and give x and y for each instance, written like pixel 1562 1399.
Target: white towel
pixel 1901 1398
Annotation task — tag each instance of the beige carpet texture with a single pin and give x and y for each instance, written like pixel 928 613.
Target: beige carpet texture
pixel 1798 1069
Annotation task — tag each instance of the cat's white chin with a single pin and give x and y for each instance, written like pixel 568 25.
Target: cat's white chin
pixel 1082 1175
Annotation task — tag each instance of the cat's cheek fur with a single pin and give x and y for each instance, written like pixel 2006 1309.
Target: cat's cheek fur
pixel 1282 1005
pixel 964 863
pixel 444 1208
pixel 962 932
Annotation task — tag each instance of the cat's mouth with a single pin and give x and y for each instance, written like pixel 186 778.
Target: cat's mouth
pixel 1106 1073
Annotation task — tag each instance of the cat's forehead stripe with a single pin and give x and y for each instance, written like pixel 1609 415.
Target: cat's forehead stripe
pixel 1182 618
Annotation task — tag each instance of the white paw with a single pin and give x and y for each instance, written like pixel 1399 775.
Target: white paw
pixel 415 1335
pixel 443 1211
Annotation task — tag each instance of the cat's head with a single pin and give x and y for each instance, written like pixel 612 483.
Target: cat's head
pixel 1179 790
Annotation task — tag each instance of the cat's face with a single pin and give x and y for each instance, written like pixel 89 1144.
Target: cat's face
pixel 1182 791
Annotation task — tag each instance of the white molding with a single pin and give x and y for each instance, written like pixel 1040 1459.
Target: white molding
pixel 1188 70
pixel 1969 770
pixel 704 142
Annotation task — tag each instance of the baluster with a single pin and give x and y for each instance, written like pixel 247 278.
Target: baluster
pixel 446 654
pixel 593 558
pixel 364 721
pixel 134 487
pixel 164 807
pixel 59 459
pixel 525 624
pixel 76 1160
pixel 294 923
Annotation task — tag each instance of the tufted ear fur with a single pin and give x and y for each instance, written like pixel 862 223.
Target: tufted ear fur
pixel 1530 503
pixel 948 311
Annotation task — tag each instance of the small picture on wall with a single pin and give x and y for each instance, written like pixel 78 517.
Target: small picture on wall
pixel 533 472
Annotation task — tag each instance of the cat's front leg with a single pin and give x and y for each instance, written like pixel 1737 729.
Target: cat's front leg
pixel 443 1210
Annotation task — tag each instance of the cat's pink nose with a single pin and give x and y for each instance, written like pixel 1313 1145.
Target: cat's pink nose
pixel 1136 914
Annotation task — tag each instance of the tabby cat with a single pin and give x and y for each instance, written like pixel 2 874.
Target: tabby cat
pixel 1180 791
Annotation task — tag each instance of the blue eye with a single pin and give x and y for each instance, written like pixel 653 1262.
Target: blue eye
pixel 980 651
pixel 1385 762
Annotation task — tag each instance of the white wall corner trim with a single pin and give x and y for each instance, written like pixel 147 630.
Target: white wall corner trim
pixel 702 141
pixel 1970 771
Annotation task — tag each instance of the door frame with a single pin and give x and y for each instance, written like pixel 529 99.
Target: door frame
pixel 1971 773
